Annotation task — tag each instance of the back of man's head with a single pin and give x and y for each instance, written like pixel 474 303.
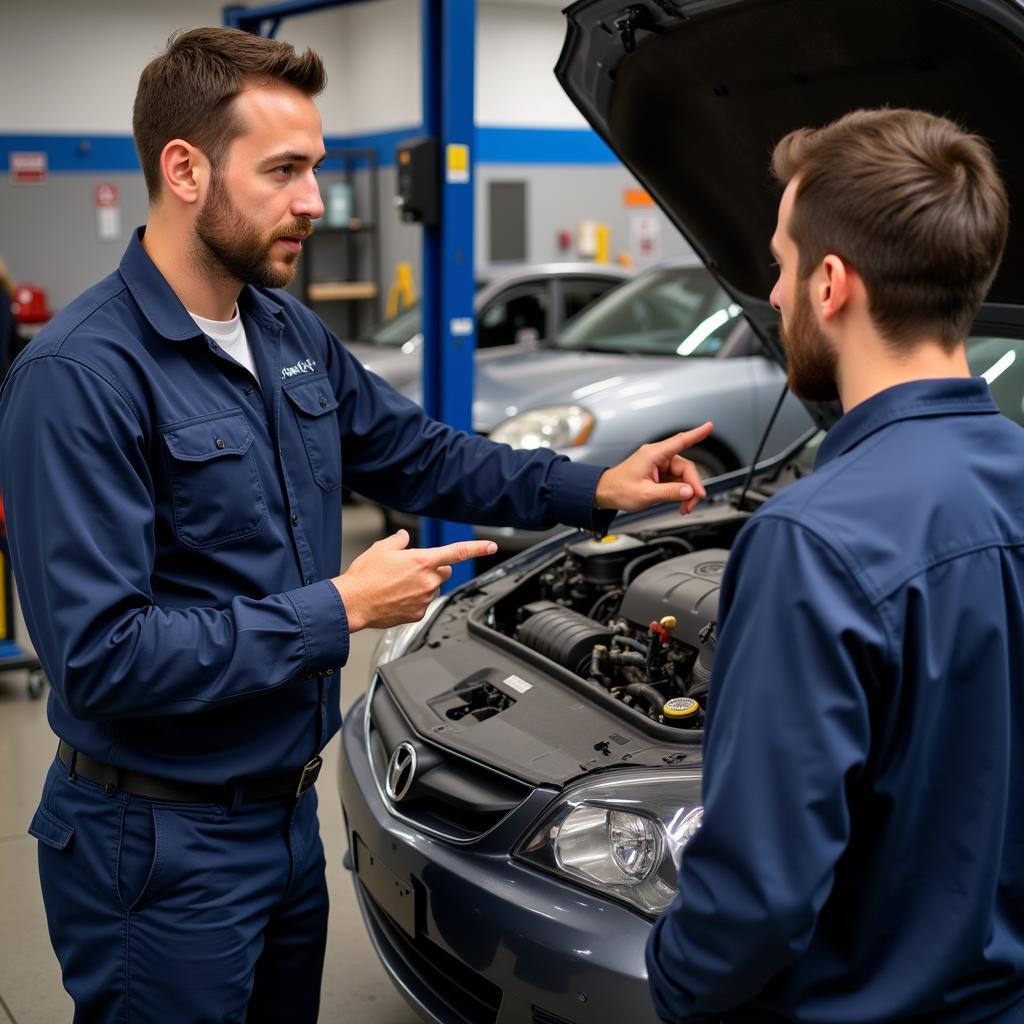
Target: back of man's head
pixel 187 92
pixel 913 203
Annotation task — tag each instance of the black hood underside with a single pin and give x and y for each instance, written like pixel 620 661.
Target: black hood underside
pixel 693 97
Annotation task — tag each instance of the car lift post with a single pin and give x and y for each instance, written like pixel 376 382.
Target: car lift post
pixel 449 327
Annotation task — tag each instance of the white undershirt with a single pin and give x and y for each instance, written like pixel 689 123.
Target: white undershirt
pixel 230 336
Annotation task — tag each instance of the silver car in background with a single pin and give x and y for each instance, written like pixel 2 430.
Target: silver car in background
pixel 514 312
pixel 662 353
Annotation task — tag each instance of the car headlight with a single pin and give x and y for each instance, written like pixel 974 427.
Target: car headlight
pixel 554 426
pixel 396 640
pixel 622 836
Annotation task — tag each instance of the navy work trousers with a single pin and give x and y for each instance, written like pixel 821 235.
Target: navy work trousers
pixel 165 911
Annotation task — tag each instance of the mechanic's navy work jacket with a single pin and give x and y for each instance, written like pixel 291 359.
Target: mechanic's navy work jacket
pixel 862 853
pixel 174 526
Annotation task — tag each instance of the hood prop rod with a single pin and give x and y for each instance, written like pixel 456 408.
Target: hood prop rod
pixel 764 440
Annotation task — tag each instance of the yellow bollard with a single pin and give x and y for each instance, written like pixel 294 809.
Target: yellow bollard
pixel 402 292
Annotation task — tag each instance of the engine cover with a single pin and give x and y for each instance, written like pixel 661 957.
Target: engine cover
pixel 686 587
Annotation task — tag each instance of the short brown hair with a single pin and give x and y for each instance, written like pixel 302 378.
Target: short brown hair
pixel 913 203
pixel 187 92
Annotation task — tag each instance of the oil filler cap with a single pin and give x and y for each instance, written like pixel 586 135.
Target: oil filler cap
pixel 680 710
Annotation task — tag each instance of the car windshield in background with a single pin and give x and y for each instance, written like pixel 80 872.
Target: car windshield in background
pixel 399 329
pixel 679 311
pixel 407 326
pixel 1001 362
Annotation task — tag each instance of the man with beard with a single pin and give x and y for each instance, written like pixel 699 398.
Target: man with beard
pixel 861 857
pixel 173 451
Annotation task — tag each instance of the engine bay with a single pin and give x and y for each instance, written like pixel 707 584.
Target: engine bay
pixel 632 615
pixel 579 655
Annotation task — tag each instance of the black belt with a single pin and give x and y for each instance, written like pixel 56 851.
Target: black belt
pixel 272 787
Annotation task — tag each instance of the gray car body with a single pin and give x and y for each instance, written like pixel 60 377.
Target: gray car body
pixel 401 365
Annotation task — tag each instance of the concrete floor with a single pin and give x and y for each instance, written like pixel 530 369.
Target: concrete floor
pixel 355 986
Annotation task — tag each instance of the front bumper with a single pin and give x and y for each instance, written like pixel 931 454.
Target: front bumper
pixel 470 936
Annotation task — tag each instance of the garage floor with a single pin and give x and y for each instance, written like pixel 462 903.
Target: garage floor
pixel 355 985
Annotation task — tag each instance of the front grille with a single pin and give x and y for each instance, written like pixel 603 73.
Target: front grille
pixel 450 795
pixel 541 1016
pixel 469 995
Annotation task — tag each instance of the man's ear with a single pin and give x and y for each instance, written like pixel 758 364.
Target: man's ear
pixel 832 287
pixel 186 171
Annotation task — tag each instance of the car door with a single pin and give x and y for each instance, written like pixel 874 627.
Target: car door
pixel 573 295
pixel 516 318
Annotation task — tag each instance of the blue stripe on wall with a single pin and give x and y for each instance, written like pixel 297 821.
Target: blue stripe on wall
pixel 541 146
pixel 101 154
pixel 88 153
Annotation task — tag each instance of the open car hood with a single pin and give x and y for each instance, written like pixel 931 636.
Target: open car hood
pixel 693 95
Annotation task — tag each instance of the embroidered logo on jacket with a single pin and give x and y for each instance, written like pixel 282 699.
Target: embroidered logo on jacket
pixel 302 366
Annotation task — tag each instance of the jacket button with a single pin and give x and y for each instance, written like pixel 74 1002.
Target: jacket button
pixel 309 579
pixel 329 672
pixel 323 402
pixel 247 391
pixel 295 519
pixel 219 442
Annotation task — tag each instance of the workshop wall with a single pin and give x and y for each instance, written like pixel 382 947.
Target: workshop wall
pixel 87 58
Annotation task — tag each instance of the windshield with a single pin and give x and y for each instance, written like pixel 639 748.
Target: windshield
pixel 406 327
pixel 399 329
pixel 1001 362
pixel 679 311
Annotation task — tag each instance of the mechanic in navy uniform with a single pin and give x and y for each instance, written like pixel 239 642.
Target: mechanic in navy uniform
pixel 175 444
pixel 862 851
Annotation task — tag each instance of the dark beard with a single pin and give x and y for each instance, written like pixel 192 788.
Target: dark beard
pixel 236 248
pixel 810 358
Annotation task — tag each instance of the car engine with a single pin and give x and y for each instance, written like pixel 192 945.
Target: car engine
pixel 635 617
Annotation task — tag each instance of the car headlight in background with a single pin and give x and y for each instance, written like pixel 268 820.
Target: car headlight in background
pixel 622 836
pixel 396 640
pixel 554 426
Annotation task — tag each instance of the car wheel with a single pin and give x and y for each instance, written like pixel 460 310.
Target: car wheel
pixel 708 464
pixel 36 683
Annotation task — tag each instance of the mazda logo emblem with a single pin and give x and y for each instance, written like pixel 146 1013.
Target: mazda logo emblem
pixel 401 771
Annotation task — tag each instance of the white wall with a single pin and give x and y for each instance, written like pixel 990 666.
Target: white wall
pixel 517 46
pixel 69 66
pixel 72 66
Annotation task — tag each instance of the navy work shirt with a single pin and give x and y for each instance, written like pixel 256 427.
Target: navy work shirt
pixel 862 853
pixel 174 527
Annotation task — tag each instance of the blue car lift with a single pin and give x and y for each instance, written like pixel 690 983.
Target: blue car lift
pixel 449 327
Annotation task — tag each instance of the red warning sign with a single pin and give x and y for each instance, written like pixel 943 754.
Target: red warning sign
pixel 106 195
pixel 28 168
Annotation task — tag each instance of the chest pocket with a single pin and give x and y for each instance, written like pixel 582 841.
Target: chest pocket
pixel 315 407
pixel 215 487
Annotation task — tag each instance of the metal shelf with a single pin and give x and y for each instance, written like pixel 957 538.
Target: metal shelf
pixel 352 260
pixel 343 229
pixel 331 291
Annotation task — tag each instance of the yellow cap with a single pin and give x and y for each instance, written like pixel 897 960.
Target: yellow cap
pixel 610 538
pixel 669 621
pixel 680 707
